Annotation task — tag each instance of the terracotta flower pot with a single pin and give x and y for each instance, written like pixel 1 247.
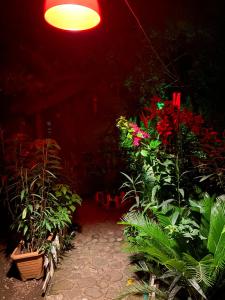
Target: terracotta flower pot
pixel 30 265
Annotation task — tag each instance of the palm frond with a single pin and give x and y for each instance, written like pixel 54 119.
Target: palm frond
pixel 196 286
pixel 176 265
pixel 201 271
pixel 141 288
pixel 216 230
pixel 174 291
pixel 152 233
pixel 142 266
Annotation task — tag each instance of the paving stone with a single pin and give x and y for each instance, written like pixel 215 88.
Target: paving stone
pixel 116 277
pixel 95 236
pixel 80 261
pixel 99 262
pixel 86 282
pixel 75 276
pixel 103 284
pixel 119 239
pixel 75 293
pixel 92 270
pixel 93 292
pixel 96 269
pixel 112 293
pixel 55 297
pixel 102 240
pixel 63 285
pixel 57 276
pixel 116 265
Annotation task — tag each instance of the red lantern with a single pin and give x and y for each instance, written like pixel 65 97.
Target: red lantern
pixel 72 14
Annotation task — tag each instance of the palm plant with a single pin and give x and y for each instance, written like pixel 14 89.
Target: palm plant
pixel 181 270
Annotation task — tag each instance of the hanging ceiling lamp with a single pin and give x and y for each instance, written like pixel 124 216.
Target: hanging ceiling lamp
pixel 72 14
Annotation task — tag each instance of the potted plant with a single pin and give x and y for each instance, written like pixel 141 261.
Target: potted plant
pixel 43 206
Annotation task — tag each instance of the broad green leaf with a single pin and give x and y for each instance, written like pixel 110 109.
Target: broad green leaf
pixel 30 208
pixel 24 213
pixel 154 144
pixel 219 256
pixel 144 153
pixel 22 194
pixel 175 216
pixel 25 229
pixel 217 223
pixel 181 191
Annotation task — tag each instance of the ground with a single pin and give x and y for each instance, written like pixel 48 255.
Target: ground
pixel 11 287
pixel 99 246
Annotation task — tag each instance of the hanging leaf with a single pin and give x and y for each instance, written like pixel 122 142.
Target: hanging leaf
pixel 30 208
pixel 24 213
pixel 203 178
pixel 22 194
pixel 64 190
pixel 181 191
pixel 25 229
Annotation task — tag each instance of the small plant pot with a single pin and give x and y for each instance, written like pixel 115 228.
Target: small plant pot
pixel 30 265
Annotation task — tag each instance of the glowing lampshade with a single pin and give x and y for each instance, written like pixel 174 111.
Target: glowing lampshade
pixel 72 14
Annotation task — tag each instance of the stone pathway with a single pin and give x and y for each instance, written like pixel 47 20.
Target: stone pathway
pixel 96 268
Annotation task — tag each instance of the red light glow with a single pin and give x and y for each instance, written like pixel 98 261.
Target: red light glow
pixel 72 15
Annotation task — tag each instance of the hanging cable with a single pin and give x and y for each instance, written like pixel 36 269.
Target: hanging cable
pixel 149 41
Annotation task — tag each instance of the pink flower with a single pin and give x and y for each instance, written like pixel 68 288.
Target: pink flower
pixel 145 134
pixel 137 134
pixel 136 141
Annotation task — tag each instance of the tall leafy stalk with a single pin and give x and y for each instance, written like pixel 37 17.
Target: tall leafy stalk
pixel 40 209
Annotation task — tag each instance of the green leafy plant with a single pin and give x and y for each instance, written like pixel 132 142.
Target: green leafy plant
pixel 173 152
pixel 66 197
pixel 155 168
pixel 42 205
pixel 172 257
pixel 133 193
pixel 174 159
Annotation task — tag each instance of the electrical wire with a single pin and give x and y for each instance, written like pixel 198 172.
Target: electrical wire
pixel 149 41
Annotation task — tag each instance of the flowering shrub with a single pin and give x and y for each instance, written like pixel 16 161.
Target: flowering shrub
pixel 174 150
